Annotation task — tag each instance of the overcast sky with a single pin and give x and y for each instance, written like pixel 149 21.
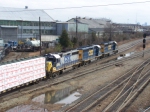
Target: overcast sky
pixel 132 13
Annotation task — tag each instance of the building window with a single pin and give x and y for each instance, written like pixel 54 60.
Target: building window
pixel 28 23
pixel 24 30
pixel 15 23
pixel 47 32
pixel 27 31
pixel 36 24
pixel 1 22
pixel 31 31
pixel 43 32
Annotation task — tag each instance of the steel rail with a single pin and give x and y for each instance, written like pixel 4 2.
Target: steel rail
pixel 55 81
pixel 97 101
pixel 137 69
pixel 134 86
pixel 69 109
pixel 134 94
pixel 121 94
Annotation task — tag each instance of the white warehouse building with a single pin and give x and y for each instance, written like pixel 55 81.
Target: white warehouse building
pixel 16 23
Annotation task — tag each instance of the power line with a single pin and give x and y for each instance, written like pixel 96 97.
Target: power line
pixel 129 3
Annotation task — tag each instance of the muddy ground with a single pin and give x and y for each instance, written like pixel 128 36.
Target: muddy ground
pixel 85 84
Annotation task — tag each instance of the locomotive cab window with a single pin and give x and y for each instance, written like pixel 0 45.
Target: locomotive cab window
pixel 74 53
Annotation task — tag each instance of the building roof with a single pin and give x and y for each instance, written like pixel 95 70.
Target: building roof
pixel 93 23
pixel 24 14
pixel 123 24
pixel 70 23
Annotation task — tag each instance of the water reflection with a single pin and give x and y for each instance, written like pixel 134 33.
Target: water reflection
pixel 71 98
pixel 54 96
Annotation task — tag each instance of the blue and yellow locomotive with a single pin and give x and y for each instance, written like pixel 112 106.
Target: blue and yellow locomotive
pixel 109 48
pixel 57 63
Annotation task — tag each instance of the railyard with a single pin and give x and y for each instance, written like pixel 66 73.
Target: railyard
pixel 90 80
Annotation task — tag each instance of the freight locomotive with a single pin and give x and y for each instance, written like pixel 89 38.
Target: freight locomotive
pixel 56 63
pixel 25 71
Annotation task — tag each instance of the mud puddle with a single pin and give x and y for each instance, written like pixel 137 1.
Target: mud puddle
pixel 55 95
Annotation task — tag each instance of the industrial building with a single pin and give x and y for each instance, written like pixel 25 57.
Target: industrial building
pixel 71 27
pixel 94 25
pixel 16 23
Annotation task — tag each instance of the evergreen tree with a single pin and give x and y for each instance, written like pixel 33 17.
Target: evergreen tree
pixel 64 39
pixel 74 41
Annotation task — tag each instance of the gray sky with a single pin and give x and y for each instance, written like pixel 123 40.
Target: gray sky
pixel 120 14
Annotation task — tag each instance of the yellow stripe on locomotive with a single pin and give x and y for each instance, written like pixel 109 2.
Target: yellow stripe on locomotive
pixel 109 47
pixel 90 52
pixel 80 54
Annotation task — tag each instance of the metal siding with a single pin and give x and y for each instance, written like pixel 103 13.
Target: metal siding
pixel 81 27
pixel 71 27
pixel 9 34
pixel 59 29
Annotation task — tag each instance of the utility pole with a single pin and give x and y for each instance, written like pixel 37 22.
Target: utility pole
pixel 76 28
pixel 110 32
pixel 40 34
pixel 21 30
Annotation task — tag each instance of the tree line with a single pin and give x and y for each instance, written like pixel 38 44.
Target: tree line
pixel 68 42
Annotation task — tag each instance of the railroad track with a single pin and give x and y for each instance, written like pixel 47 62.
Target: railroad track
pixel 48 83
pixel 97 97
pixel 73 76
pixel 67 77
pixel 64 78
pixel 132 88
pixel 128 46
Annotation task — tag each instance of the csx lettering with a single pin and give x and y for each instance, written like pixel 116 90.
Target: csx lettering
pixel 67 59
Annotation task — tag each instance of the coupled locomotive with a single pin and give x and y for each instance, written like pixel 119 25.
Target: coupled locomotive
pixel 22 72
pixel 56 63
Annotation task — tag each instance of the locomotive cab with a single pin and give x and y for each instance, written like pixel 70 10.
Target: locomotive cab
pixel 52 61
pixel 115 47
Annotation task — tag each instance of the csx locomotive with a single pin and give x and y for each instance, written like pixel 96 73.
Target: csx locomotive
pixel 57 63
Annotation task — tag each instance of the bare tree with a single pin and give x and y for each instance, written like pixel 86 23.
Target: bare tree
pixel 108 31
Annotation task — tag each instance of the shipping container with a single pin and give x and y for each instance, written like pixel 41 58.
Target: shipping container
pixel 21 72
